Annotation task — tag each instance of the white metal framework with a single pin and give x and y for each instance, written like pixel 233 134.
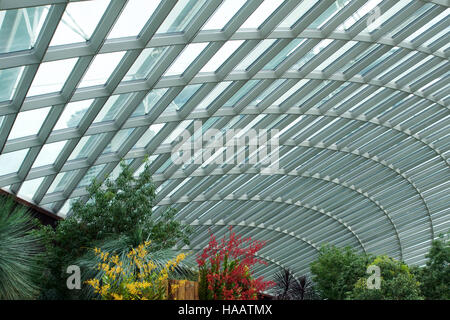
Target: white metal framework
pixel 358 90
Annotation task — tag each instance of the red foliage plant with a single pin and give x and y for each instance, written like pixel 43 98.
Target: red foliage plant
pixel 226 269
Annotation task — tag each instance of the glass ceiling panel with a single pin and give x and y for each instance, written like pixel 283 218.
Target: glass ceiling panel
pixel 297 13
pixel 61 181
pixel 28 123
pixel 79 22
pixel 101 69
pixel 183 97
pixel 29 188
pixel 222 55
pixel 146 61
pixel 11 162
pixel 260 15
pixel 429 25
pixel 9 78
pixel 72 114
pixel 180 16
pixel 85 147
pixel 49 153
pixel 328 14
pixel 51 76
pixel 149 102
pixel 223 14
pixel 112 107
pixel 283 54
pixel 218 89
pixel 151 132
pixel 20 28
pixel 185 59
pixel 133 18
pixel 249 85
pixel 359 14
pixel 118 140
pixel 260 49
pixel 90 175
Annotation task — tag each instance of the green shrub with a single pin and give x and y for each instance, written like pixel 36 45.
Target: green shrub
pixel 397 282
pixel 336 271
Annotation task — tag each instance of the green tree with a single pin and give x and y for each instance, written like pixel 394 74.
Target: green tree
pixel 18 252
pixel 435 276
pixel 117 208
pixel 397 282
pixel 336 270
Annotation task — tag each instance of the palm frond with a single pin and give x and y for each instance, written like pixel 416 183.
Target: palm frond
pixel 18 250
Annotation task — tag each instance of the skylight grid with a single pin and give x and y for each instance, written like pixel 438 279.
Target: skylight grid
pixel 348 98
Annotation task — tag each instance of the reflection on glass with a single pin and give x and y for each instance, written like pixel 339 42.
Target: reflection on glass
pixel 79 22
pixel 221 56
pixel 186 57
pixel 223 14
pixel 183 97
pixel 268 91
pixel 9 79
pixel 10 162
pixel 149 102
pixel 29 188
pixel 72 114
pixel 118 140
pixel 328 14
pixel 145 63
pixel 85 146
pixel 358 15
pixel 291 91
pixel 297 13
pixel 218 89
pixel 49 153
pixel 61 181
pixel 260 15
pixel 133 18
pixel 180 16
pixel 255 54
pixel 249 85
pixel 148 135
pixel 28 123
pixel 51 76
pixel 112 107
pixel 20 28
pixel 90 175
pixel 101 68
pixel 283 54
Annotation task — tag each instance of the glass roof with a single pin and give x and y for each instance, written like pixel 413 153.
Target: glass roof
pixel 355 93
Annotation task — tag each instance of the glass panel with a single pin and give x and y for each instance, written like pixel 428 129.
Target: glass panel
pixel 335 56
pixel 72 114
pixel 145 63
pixel 291 91
pixel 133 18
pixel 9 78
pixel 175 133
pixel 385 16
pixel 90 175
pixel 101 68
pixel 184 60
pixel 255 54
pixel 223 14
pixel 284 53
pixel 249 85
pixel 49 153
pixel 311 54
pixel 85 146
pixel 183 97
pixel 20 28
pixel 359 14
pixel 117 170
pixel 11 162
pixel 268 91
pixel 51 76
pixel 79 22
pixel 442 34
pixel 180 16
pixel 260 15
pixel 29 188
pixel 61 181
pixel 328 14
pixel 149 102
pixel 222 55
pixel 297 13
pixel 218 89
pixel 28 123
pixel 112 107
pixel 429 25
pixel 151 132
pixel 118 140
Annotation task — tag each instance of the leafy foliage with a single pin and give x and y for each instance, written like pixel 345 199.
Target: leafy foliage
pixel 434 278
pixel 336 270
pixel 397 282
pixel 121 207
pixel 18 252
pixel 226 269
pixel 289 287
